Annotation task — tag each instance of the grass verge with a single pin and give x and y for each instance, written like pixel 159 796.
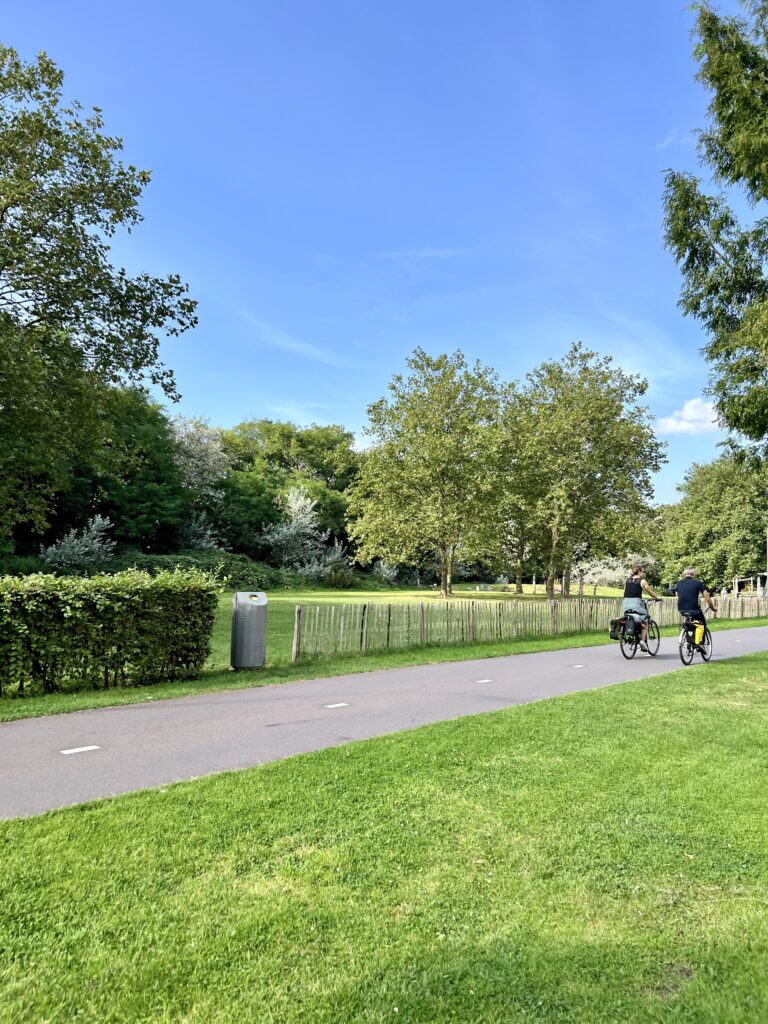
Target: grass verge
pixel 595 858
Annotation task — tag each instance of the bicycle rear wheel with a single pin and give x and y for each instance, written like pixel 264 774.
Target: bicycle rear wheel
pixel 653 639
pixel 628 645
pixel 685 648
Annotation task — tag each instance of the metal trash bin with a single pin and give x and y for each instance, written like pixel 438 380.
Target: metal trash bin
pixel 249 629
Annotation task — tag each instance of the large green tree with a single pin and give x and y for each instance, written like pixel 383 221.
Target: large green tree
pixel 579 450
pixel 269 459
pixel 71 323
pixel 427 482
pixel 722 258
pixel 136 480
pixel 719 523
pixel 64 194
pixel 51 409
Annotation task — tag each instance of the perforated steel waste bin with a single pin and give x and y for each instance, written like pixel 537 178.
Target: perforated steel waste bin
pixel 249 629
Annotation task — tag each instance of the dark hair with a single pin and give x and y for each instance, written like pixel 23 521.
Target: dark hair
pixel 636 569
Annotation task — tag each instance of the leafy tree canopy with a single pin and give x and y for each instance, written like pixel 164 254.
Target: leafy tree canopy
pixel 63 196
pixel 51 407
pixel 426 483
pixel 722 260
pixel 578 452
pixel 720 522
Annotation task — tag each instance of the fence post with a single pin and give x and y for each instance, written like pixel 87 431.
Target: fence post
pixel 421 623
pixel 296 650
pixel 364 627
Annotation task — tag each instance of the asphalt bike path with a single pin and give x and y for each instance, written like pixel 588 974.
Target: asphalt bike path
pixel 59 760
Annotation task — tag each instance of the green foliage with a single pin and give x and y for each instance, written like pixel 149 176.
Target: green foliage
pixel 269 459
pixel 135 481
pixel 128 629
pixel 23 565
pixel 723 263
pixel 238 572
pixel 78 550
pixel 331 568
pixel 575 463
pixel 719 525
pixel 425 484
pixel 51 407
pixel 64 196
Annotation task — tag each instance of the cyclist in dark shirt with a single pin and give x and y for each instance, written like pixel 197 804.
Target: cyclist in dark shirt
pixel 688 591
pixel 633 600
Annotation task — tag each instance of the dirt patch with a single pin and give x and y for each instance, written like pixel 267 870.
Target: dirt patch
pixel 675 977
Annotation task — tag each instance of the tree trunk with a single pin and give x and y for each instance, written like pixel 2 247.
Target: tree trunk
pixel 581 584
pixel 567 581
pixel 519 576
pixel 446 571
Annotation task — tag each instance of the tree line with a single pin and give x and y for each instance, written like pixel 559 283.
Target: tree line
pixel 550 475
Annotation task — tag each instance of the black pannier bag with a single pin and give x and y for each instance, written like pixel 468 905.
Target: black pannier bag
pixel 615 628
pixel 632 625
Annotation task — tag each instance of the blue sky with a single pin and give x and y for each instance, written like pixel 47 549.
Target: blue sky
pixel 341 182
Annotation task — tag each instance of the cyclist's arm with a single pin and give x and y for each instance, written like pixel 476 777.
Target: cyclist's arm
pixel 708 599
pixel 647 588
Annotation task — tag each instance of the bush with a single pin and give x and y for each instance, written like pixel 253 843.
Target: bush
pixel 332 569
pixel 70 633
pixel 386 572
pixel 22 565
pixel 236 572
pixel 81 549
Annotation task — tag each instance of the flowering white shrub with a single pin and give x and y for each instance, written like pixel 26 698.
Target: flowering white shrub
pixel 332 568
pixel 80 549
pixel 386 572
pixel 298 541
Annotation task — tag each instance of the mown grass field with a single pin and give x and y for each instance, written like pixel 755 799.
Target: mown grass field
pixel 279 668
pixel 597 858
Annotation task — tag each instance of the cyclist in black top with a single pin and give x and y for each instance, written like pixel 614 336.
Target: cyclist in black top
pixel 633 595
pixel 688 590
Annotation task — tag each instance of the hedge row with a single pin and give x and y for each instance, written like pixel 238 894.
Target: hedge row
pixel 74 633
pixel 238 571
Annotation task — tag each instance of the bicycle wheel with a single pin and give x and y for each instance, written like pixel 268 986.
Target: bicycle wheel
pixel 653 639
pixel 705 646
pixel 685 648
pixel 628 645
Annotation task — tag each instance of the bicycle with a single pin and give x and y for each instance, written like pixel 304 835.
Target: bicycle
pixel 629 642
pixel 687 645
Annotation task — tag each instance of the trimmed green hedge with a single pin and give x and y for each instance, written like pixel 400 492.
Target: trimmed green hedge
pixel 238 572
pixel 74 633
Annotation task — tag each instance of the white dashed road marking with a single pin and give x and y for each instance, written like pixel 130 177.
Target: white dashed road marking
pixel 483 680
pixel 342 705
pixel 78 750
pixel 578 666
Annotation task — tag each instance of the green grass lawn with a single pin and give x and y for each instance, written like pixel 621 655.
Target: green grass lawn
pixel 593 859
pixel 279 668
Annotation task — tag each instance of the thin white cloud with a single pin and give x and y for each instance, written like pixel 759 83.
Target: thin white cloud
pixel 275 338
pixel 696 417
pixel 675 138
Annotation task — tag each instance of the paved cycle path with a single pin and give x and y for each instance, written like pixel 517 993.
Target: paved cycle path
pixel 66 759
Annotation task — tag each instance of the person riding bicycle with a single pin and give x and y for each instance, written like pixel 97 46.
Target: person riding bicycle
pixel 688 590
pixel 633 600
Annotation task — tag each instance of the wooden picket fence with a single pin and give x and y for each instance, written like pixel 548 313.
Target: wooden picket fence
pixel 365 628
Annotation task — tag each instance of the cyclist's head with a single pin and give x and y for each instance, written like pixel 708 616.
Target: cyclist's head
pixel 689 571
pixel 637 570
